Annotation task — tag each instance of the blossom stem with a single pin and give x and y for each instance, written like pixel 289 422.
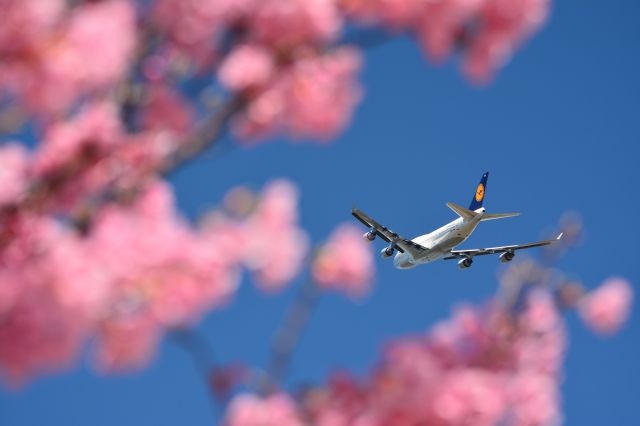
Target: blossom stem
pixel 289 335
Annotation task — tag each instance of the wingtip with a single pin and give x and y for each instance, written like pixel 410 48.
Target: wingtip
pixel 559 236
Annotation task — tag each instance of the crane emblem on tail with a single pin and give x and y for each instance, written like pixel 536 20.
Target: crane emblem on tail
pixel 480 192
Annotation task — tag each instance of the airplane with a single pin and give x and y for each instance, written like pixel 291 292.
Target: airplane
pixel 439 244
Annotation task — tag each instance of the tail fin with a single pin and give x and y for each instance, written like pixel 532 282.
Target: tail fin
pixel 461 211
pixel 478 197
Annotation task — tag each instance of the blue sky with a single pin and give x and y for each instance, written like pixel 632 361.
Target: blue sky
pixel 559 131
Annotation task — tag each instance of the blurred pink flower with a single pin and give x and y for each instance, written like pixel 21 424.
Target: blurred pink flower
pixel 533 398
pixel 322 93
pixel 250 410
pixel 190 23
pixel 96 129
pixel 399 13
pixel 109 26
pixel 163 275
pixel 479 367
pixel 27 23
pixel 167 110
pixel 45 315
pixel 276 245
pixel 290 23
pixel 504 24
pixel 14 164
pixel 470 396
pixel 70 161
pixel 344 262
pixel 126 343
pixel 442 23
pixel 313 97
pixel 49 79
pixel 247 67
pixel 606 308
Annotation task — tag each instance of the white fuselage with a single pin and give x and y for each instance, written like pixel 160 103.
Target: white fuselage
pixel 439 242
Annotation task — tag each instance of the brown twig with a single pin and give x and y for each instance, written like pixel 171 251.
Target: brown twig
pixel 289 335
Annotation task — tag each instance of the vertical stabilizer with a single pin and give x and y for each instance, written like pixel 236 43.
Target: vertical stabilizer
pixel 478 197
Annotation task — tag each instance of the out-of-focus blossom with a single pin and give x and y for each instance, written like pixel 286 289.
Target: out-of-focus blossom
pixel 276 245
pixel 533 398
pixel 470 396
pixel 485 31
pixel 344 262
pixel 70 160
pixel 109 27
pixel 27 23
pixel 167 110
pixel 289 23
pixel 45 304
pixel 246 67
pixel 14 163
pixel 250 410
pixel 322 93
pixel 504 24
pixel 442 23
pixel 96 130
pixel 483 366
pixel 313 97
pixel 163 275
pixel 52 75
pixel 606 308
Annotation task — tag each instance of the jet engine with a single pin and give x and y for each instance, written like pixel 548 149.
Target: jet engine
pixel 387 252
pixel 507 256
pixel 369 236
pixel 465 263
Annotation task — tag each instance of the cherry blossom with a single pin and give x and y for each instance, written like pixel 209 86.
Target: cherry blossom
pixel 313 97
pixel 287 23
pixel 479 367
pixel 247 66
pixel 14 170
pixel 344 262
pixel 167 110
pixel 606 308
pixel 49 76
pixel 276 246
pixel 94 253
pixel 249 410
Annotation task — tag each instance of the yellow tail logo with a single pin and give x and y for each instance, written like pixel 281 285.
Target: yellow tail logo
pixel 480 192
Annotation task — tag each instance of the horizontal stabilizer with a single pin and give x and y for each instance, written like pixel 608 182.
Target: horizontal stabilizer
pixel 461 211
pixel 491 216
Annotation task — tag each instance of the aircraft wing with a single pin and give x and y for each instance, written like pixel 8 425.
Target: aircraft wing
pixel 456 254
pixel 402 244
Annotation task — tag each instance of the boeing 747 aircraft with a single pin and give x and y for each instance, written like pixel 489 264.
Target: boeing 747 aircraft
pixel 439 244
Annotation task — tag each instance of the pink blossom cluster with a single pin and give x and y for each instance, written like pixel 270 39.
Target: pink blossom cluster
pixel 313 95
pixel 267 240
pixel 487 31
pixel 606 308
pixel 484 366
pixel 500 364
pixel 250 410
pixel 283 58
pixel 139 271
pixel 53 55
pixel 344 262
pixel 280 63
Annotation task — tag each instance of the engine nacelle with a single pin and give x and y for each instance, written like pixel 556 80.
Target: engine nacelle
pixel 369 236
pixel 465 263
pixel 507 256
pixel 387 252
